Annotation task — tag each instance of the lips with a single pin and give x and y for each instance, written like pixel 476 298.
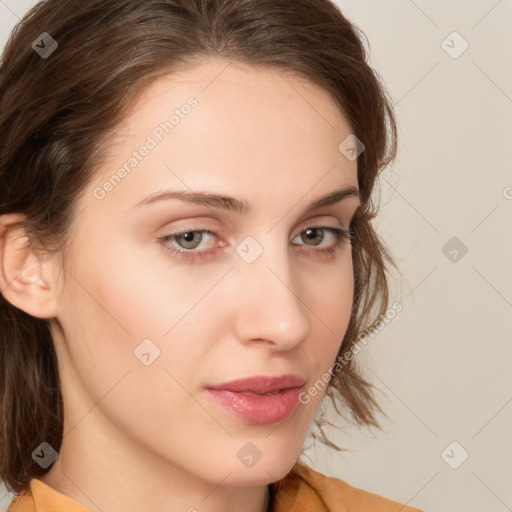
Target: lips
pixel 261 385
pixel 258 400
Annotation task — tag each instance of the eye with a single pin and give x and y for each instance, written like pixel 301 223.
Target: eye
pixel 339 235
pixel 313 232
pixel 188 240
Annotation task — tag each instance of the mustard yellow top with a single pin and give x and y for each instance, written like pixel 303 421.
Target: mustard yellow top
pixel 302 489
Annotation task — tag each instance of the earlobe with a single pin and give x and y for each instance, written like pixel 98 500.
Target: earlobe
pixel 23 277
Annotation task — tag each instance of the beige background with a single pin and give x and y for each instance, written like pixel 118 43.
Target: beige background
pixel 442 364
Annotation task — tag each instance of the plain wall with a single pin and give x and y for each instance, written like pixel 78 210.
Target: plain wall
pixel 441 365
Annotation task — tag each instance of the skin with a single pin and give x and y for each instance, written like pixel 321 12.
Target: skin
pixel 139 437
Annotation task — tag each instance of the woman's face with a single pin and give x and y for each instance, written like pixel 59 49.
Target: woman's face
pixel 142 331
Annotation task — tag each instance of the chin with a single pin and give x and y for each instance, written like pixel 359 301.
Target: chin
pixel 263 462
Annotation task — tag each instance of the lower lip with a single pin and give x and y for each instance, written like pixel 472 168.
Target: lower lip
pixel 258 409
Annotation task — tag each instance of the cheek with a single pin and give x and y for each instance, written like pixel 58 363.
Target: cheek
pixel 134 341
pixel 331 307
pixel 135 301
pixel 331 303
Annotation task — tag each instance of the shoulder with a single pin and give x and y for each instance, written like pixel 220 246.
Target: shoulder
pixel 40 497
pixel 21 502
pixel 304 488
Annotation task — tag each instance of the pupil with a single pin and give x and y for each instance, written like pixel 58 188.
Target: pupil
pixel 188 238
pixel 314 231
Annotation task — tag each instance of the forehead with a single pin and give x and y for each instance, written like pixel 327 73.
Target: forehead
pixel 251 130
pixel 238 92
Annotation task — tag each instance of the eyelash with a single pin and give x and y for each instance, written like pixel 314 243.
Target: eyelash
pixel 340 235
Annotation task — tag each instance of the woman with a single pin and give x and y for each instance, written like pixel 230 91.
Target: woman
pixel 187 255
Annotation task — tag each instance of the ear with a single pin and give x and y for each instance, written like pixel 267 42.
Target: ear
pixel 25 281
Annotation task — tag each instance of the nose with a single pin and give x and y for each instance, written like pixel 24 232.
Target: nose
pixel 271 306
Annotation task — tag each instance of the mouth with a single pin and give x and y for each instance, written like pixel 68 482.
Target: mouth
pixel 259 400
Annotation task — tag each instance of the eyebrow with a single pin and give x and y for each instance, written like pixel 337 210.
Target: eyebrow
pixel 240 206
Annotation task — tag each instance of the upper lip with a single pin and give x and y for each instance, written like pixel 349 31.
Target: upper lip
pixel 261 383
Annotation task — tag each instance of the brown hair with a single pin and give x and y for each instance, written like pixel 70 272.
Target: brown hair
pixel 56 113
